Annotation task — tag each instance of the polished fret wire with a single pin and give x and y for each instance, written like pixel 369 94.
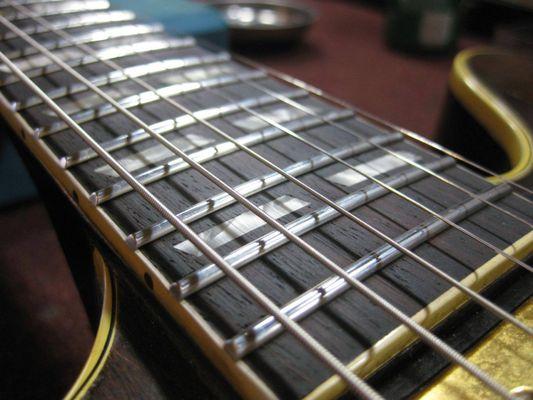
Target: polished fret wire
pixel 169 125
pixel 209 153
pixel 425 335
pixel 163 66
pixel 400 194
pixel 89 19
pixel 391 189
pixel 248 188
pixel 143 98
pixel 94 36
pixel 356 384
pixel 412 135
pixel 478 298
pixel 332 287
pixel 84 5
pixel 119 51
pixel 447 181
pixel 409 199
pixel 251 251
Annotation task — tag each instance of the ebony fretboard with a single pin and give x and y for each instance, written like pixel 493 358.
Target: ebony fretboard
pixel 217 88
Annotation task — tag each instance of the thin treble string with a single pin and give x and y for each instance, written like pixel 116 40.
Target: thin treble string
pixel 86 48
pixel 415 136
pixel 480 299
pixel 366 175
pixel 356 384
pixel 307 110
pixel 141 82
pixel 424 334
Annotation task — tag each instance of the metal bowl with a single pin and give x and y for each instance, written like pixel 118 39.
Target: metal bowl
pixel 265 21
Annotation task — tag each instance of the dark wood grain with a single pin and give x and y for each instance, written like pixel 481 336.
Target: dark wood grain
pixel 349 324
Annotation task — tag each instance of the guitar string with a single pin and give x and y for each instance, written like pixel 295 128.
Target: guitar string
pixel 84 20
pixel 447 181
pixel 117 67
pixel 408 161
pixel 424 334
pixel 475 296
pixel 95 36
pixel 88 5
pixel 412 135
pixel 480 299
pixel 357 385
pixel 290 132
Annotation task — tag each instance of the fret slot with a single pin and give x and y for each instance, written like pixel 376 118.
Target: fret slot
pixel 93 36
pixel 144 98
pixel 173 64
pixel 302 306
pixel 253 250
pixel 211 153
pixel 169 125
pixel 251 187
pixel 46 67
pixel 59 8
pixel 78 21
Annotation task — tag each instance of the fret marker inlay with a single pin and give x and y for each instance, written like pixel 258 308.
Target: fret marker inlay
pixel 381 165
pixel 243 224
pixel 155 153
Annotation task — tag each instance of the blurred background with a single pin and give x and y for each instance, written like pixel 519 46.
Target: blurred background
pixel 389 58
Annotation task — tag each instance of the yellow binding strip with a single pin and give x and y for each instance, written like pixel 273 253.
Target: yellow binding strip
pixel 401 337
pixel 493 113
pixel 104 336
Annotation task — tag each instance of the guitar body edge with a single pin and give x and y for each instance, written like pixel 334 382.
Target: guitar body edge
pixel 473 107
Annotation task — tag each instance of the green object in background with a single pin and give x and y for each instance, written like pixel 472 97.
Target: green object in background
pixel 423 25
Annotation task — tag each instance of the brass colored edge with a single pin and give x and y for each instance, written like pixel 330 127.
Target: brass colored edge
pixel 103 341
pixel 401 337
pixel 244 380
pixel 506 346
pixel 493 113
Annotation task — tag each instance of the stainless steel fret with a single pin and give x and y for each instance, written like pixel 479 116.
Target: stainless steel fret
pixel 143 99
pixel 392 190
pixel 210 153
pixel 303 305
pixel 373 119
pixel 253 186
pixel 398 193
pixel 170 125
pixel 109 53
pixel 352 132
pixel 356 384
pixel 77 21
pixel 172 64
pixel 93 36
pixel 238 258
pixel 59 8
pixel 273 222
pixel 427 265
